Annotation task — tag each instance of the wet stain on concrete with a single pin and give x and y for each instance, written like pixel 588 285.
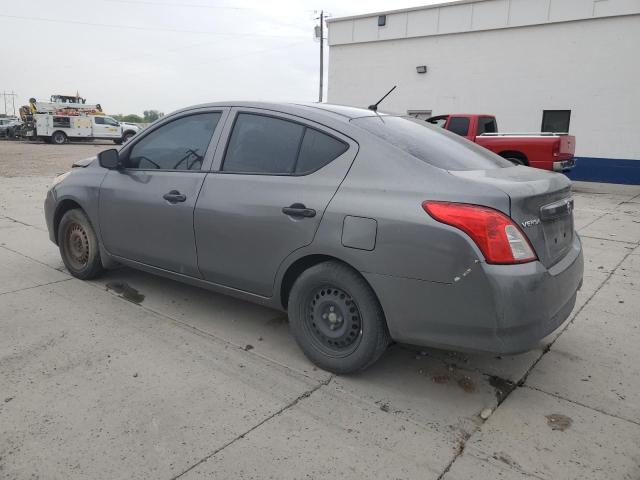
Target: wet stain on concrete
pixel 277 322
pixel 126 291
pixel 558 421
pixel 467 384
pixel 502 386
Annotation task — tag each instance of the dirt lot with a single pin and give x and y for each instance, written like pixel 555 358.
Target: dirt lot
pixel 134 376
pixel 28 159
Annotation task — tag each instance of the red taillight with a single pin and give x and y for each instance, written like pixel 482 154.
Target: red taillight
pixel 498 237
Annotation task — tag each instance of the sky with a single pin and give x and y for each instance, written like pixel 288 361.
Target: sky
pixel 135 55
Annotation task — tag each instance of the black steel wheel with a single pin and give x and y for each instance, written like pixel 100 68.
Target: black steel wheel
pixel 333 321
pixel 79 245
pixel 336 318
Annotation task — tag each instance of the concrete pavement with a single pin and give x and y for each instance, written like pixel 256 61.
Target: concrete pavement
pixel 184 383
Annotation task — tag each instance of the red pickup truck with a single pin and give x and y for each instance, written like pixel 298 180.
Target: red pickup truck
pixel 549 151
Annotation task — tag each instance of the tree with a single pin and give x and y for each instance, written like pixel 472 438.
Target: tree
pixel 152 115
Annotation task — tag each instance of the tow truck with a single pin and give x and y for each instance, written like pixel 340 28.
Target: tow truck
pixel 66 117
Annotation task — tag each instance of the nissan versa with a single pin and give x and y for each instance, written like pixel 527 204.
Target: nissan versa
pixel 365 227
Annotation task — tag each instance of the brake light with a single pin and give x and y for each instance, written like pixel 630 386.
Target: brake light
pixel 498 237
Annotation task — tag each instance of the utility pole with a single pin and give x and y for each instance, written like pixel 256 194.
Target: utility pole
pixel 321 55
pixel 9 98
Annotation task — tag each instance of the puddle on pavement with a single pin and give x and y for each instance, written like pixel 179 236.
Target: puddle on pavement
pixel 558 421
pixel 126 291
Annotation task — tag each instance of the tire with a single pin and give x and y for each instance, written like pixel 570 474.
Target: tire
pixel 79 245
pixel 118 141
pixel 516 161
pixel 127 136
pixel 58 138
pixel 336 318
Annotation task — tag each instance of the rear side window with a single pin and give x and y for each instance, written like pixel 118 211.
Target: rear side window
pixel 267 145
pixel 317 150
pixel 177 145
pixel 459 125
pixel 487 125
pixel 431 144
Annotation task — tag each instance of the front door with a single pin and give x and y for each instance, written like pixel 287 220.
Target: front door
pixel 268 196
pixel 146 209
pixel 106 127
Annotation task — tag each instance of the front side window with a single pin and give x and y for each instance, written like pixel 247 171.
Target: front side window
pixel 261 144
pixel 178 145
pixel 110 121
pixel 459 125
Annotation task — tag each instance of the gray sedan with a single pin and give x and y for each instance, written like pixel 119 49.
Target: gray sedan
pixel 367 228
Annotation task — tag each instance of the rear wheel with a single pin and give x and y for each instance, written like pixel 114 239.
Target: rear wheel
pixel 79 245
pixel 516 161
pixel 58 138
pixel 336 318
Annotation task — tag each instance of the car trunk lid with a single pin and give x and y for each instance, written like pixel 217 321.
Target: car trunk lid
pixel 540 203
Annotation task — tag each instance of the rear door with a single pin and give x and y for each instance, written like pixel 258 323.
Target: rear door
pixel 273 182
pixel 146 209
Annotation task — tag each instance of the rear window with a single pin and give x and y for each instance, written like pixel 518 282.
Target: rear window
pixel 487 125
pixel 431 144
pixel 459 125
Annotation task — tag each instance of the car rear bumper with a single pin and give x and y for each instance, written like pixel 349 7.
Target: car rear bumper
pixel 489 308
pixel 564 165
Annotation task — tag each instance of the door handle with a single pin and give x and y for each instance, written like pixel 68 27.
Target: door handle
pixel 299 210
pixel 174 196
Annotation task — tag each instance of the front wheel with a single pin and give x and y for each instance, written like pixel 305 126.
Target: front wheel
pixel 78 245
pixel 336 318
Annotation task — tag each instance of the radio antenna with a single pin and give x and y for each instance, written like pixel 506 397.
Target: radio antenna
pixel 374 107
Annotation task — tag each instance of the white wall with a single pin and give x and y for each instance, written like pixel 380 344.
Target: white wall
pixel 591 67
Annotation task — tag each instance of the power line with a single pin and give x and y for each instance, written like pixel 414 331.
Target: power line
pixel 153 29
pixel 195 5
pixel 174 4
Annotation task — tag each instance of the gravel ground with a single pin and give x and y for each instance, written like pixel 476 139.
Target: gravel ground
pixel 28 159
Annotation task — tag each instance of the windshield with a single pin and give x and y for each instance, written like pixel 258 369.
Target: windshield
pixel 431 144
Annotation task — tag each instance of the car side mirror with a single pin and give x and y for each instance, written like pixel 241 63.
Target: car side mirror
pixel 109 159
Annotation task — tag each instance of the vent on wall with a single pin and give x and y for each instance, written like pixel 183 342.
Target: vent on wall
pixel 382 20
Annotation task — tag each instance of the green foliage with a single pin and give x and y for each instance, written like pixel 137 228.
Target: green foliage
pixel 152 115
pixel 148 117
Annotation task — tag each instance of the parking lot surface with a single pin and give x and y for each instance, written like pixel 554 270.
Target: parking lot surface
pixel 136 376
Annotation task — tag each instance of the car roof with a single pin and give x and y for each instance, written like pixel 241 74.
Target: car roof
pixel 344 113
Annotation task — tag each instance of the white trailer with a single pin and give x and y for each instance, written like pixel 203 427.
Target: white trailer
pixel 59 129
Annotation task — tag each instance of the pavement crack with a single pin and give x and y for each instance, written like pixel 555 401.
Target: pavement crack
pixel 203 333
pixel 36 286
pixel 291 404
pixel 595 409
pixel 61 269
pixel 573 318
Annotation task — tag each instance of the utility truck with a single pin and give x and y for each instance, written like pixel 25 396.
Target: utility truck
pixel 65 118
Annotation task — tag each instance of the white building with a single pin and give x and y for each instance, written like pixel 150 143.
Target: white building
pixel 578 60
